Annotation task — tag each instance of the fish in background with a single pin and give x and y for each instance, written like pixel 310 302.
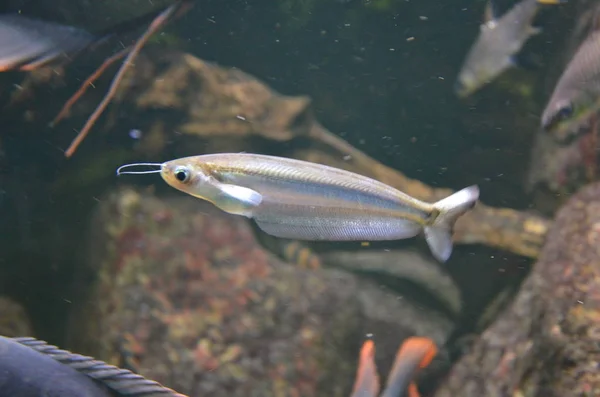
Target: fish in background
pixel 415 353
pixel 300 200
pixel 575 101
pixel 498 44
pixel 28 43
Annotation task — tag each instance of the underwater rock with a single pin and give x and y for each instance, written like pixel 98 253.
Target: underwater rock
pixel 547 342
pixel 187 295
pixel 14 320
pixel 556 171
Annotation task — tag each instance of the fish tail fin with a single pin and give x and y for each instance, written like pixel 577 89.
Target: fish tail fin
pixel 439 233
pixel 414 354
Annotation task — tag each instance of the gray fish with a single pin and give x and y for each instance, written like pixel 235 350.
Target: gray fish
pixel 497 45
pixel 576 96
pixel 27 43
pixel 301 200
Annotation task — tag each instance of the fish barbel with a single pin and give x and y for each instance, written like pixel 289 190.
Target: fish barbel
pixel 301 200
pixel 498 43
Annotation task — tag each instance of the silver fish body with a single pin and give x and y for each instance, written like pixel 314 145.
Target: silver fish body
pixel 576 95
pixel 494 50
pixel 306 201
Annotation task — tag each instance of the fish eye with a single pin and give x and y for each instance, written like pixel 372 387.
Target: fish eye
pixel 565 111
pixel 182 174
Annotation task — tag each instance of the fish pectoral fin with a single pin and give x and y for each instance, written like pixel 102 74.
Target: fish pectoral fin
pixel 238 200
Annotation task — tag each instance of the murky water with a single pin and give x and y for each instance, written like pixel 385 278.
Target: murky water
pixel 378 74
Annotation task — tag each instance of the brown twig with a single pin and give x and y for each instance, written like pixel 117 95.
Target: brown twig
pixel 88 82
pixel 156 24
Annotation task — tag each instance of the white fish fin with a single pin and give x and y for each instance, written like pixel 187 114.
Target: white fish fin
pixel 439 234
pixel 238 200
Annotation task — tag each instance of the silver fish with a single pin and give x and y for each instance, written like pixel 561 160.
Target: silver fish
pixel 576 96
pixel 27 42
pixel 307 201
pixel 496 46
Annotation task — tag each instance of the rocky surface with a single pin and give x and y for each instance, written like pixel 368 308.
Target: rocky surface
pixel 14 320
pixel 547 343
pixel 188 292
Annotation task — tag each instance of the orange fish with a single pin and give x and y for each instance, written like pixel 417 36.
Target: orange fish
pixel 414 354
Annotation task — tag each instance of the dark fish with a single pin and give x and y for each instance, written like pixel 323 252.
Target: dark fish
pixel 576 96
pixel 26 373
pixel 300 200
pixel 31 367
pixel 497 45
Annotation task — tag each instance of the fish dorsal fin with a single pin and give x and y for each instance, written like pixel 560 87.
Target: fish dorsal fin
pixel 490 15
pixel 122 381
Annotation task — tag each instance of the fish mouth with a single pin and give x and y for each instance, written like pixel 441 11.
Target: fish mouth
pixel 166 172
